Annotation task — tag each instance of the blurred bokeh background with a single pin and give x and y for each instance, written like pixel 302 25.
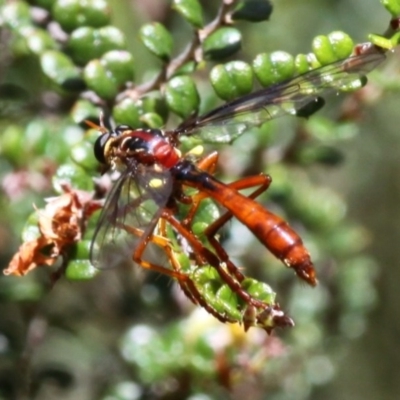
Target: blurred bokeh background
pixel 130 335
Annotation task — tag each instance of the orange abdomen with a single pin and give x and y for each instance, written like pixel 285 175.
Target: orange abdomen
pixel 272 231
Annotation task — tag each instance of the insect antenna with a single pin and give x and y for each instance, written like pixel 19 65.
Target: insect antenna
pixel 101 128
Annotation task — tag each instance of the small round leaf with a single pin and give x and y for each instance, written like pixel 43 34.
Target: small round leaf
pixel 222 43
pixel 80 270
pixel 393 6
pixel 120 64
pixel 326 155
pixel 82 45
pixel 271 68
pixel 385 43
pixel 31 229
pixel 98 79
pixel 110 38
pixel 15 14
pixel 126 112
pixel 152 120
pixel 328 49
pixel 228 303
pixel 342 44
pixel 71 14
pixel 252 10
pixel 153 103
pixel 301 64
pixel 12 143
pixel 84 110
pixel 58 67
pixel 37 40
pixel 157 40
pixel 190 10
pixel 81 250
pixel 86 43
pixel 182 96
pixel 72 175
pixel 232 80
pixel 259 290
pixel 82 154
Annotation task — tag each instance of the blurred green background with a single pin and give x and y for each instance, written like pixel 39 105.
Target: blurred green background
pixel 131 335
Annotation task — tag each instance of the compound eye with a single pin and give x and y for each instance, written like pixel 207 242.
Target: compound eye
pixel 120 129
pixel 100 147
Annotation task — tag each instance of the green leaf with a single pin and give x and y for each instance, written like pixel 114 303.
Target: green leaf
pixel 224 301
pixel 81 250
pixel 232 80
pixel 198 228
pixel 150 111
pixel 110 38
pixel 301 64
pixel 82 45
pixel 182 96
pixel 16 14
pixel 80 270
pixel 271 68
pixel 190 10
pixel 84 109
pixel 222 43
pixel 31 228
pixel 157 40
pixel 259 290
pixel 86 43
pixel 310 154
pixel 37 40
pixel 22 290
pixel 12 143
pixel 72 14
pixel 186 68
pixel 207 212
pixel 336 46
pixel 98 79
pixel 82 154
pixel 252 10
pixel 152 120
pixel 229 300
pixel 153 103
pixel 383 42
pixel 58 67
pixel 36 137
pixel 205 274
pixel 393 6
pixel 72 175
pixel 120 64
pixel 126 112
pixel 183 261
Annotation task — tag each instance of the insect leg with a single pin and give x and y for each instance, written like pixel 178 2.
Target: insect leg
pixel 256 312
pixel 188 286
pixel 138 252
pixel 185 282
pixel 208 257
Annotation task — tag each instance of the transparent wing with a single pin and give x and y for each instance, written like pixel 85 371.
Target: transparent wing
pixel 129 215
pixel 297 96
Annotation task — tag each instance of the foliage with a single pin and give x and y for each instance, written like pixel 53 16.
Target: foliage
pixel 135 336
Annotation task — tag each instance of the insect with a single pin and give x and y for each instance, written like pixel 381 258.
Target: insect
pixel 154 177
